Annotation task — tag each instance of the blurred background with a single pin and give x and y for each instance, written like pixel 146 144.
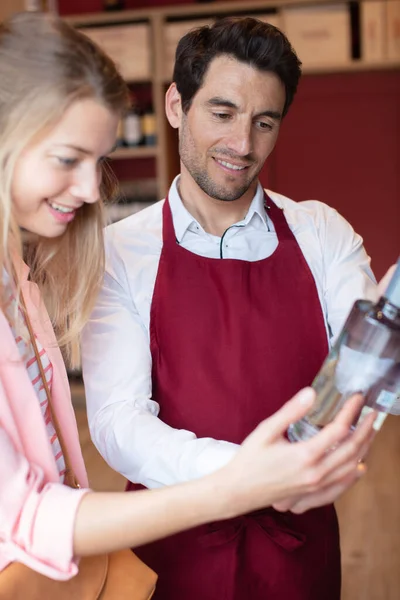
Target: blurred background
pixel 340 144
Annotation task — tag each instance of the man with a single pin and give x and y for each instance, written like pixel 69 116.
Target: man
pixel 218 304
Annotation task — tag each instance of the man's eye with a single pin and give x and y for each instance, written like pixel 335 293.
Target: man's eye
pixel 264 125
pixel 222 116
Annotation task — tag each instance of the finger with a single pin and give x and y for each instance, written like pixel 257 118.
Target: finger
pixel 366 447
pixel 335 432
pixel 350 410
pixel 350 469
pixel 327 495
pixel 275 426
pixel 345 458
pixel 285 505
pixel 384 282
pixel 355 446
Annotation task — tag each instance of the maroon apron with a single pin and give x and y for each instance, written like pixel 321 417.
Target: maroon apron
pixel 231 341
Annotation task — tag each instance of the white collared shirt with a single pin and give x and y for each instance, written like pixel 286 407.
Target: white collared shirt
pixel 123 418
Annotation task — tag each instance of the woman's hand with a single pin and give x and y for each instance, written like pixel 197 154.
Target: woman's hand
pixel 269 470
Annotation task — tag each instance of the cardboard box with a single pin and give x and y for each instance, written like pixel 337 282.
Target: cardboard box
pixel 373 30
pixel 393 29
pixel 320 35
pixel 128 46
pixel 273 18
pixel 10 7
pixel 173 32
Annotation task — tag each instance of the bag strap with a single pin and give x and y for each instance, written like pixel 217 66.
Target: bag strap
pixel 69 478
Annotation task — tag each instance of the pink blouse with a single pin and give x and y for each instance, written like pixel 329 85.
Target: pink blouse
pixel 27 353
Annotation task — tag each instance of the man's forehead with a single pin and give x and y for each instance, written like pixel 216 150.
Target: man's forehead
pixel 225 71
pixel 232 83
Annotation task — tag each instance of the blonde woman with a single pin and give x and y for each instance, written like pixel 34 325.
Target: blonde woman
pixel 60 102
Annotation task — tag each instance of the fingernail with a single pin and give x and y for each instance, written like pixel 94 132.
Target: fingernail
pixel 361 469
pixel 306 396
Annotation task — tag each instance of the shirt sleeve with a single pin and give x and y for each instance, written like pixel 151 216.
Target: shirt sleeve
pixel 37 518
pixel 123 418
pixel 348 274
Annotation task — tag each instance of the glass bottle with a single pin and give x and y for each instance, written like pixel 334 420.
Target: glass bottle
pixel 41 5
pixel 113 4
pixel 365 359
pixel 133 134
pixel 149 127
pixel 120 134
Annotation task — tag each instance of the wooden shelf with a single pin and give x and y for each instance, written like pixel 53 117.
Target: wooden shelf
pixel 356 65
pixel 160 18
pixel 109 18
pixel 134 152
pixel 352 67
pixel 187 11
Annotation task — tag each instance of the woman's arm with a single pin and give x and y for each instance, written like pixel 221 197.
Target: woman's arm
pixel 44 525
pixel 266 469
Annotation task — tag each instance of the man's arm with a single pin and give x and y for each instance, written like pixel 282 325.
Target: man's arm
pixel 123 418
pixel 348 274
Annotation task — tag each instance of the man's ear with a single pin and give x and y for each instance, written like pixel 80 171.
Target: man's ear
pixel 173 106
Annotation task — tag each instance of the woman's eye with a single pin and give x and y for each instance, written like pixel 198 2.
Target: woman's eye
pixel 67 162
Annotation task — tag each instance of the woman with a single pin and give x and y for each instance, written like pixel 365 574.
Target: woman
pixel 60 102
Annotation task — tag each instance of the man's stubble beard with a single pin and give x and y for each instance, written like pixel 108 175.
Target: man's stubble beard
pixel 201 177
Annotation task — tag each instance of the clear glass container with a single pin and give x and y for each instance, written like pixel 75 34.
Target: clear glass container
pixel 365 359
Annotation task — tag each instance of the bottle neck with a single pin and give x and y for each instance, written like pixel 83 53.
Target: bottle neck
pixel 386 312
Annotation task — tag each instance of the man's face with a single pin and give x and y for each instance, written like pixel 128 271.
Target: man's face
pixel 230 128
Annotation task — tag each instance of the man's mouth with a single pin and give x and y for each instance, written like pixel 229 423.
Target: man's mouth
pixel 230 165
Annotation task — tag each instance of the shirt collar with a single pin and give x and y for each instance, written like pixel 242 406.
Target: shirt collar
pixel 182 218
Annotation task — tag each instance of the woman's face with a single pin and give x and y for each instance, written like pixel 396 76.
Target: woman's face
pixel 56 175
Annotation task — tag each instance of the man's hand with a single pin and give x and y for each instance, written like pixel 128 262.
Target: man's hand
pixel 384 282
pixel 269 470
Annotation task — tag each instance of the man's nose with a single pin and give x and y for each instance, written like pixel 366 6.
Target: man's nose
pixel 240 140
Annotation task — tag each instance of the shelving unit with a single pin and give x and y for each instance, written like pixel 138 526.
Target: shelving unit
pixel 134 152
pixel 165 154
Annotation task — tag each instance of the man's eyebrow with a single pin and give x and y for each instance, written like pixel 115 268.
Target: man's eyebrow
pixel 218 101
pixel 273 114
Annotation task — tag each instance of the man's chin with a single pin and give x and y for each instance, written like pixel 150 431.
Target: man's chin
pixel 233 195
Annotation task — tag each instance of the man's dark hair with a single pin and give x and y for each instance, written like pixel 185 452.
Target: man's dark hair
pixel 248 40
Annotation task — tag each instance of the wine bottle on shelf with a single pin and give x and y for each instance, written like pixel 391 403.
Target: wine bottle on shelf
pixel 365 359
pixel 41 6
pixel 120 142
pixel 113 4
pixel 133 134
pixel 149 127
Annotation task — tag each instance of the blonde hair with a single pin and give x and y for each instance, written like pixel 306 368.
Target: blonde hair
pixel 45 66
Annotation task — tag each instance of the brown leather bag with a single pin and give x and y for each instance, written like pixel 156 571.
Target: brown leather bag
pixel 119 575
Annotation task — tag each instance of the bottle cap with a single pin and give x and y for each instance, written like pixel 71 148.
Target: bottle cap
pixel 392 293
